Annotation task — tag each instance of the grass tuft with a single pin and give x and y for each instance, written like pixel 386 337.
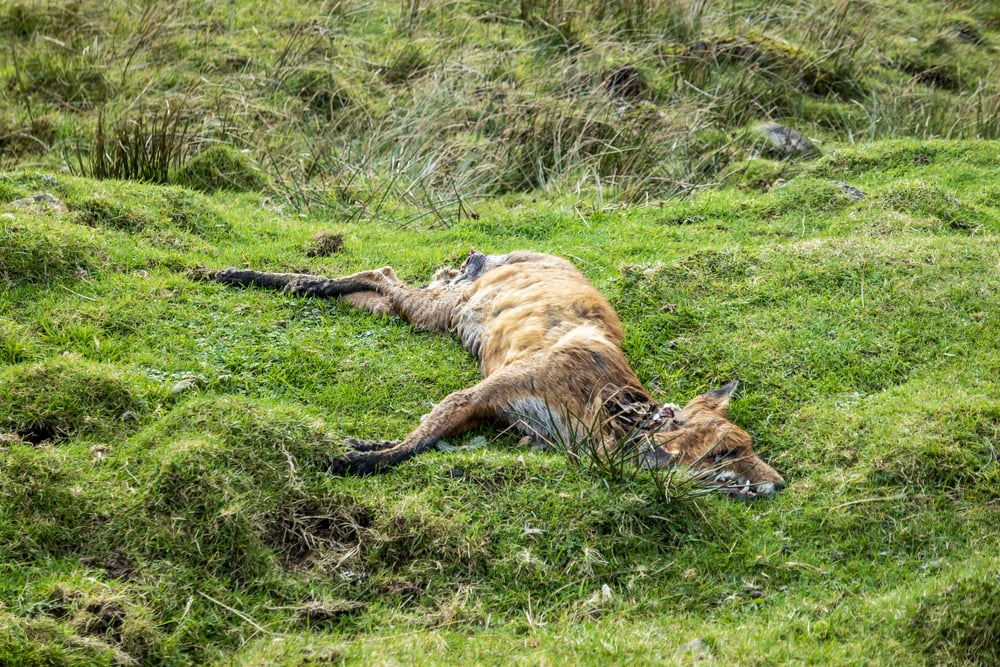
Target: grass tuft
pixel 64 397
pixel 300 96
pixel 221 168
pixel 141 148
pixel 957 620
pixel 410 62
pixel 68 82
pixel 324 244
pixel 318 90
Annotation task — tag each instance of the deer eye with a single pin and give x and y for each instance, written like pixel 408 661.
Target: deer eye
pixel 728 454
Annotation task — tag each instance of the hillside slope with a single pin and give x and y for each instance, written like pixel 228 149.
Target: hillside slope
pixel 366 107
pixel 162 440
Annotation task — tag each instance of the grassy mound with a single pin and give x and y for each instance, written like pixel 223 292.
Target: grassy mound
pixel 40 250
pixel 66 397
pixel 956 621
pixel 439 107
pixel 164 442
pixel 220 168
pixel 150 211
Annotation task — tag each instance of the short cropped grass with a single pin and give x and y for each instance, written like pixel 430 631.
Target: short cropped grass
pixel 164 441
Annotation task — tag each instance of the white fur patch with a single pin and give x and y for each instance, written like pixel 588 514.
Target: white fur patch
pixel 535 417
pixel 469 327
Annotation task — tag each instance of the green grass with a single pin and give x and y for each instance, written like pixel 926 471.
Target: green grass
pixel 163 441
pixel 357 106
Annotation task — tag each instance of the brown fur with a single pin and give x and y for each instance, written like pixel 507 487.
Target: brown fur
pixel 548 344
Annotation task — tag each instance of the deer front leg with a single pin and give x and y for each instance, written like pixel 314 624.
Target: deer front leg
pixel 370 445
pixel 458 412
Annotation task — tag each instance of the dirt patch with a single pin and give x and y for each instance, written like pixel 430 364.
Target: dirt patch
pixel 324 244
pixel 116 565
pixel 321 613
pixel 103 618
pixel 312 527
pixel 36 434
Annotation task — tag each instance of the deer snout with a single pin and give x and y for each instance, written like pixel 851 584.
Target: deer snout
pixel 768 489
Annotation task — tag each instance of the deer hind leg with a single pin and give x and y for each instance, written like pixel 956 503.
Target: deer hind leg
pixel 358 289
pixel 379 291
pixel 306 284
pixel 458 412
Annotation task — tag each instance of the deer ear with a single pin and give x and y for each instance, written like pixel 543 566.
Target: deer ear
pixel 717 400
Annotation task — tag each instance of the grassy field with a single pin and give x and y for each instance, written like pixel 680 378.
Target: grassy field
pixel 163 440
pixel 369 108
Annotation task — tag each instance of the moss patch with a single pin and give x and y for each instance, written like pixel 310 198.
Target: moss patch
pixel 221 168
pixel 37 249
pixel 64 397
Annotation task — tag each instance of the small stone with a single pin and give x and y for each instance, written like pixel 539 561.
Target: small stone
pixel 44 201
pixel 852 192
pixel 184 385
pixel 698 648
pixel 786 141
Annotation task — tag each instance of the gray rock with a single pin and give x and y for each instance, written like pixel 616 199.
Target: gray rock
pixel 696 648
pixel 786 141
pixel 43 201
pixel 852 192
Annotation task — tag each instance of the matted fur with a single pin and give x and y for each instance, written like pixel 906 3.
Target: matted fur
pixel 549 346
